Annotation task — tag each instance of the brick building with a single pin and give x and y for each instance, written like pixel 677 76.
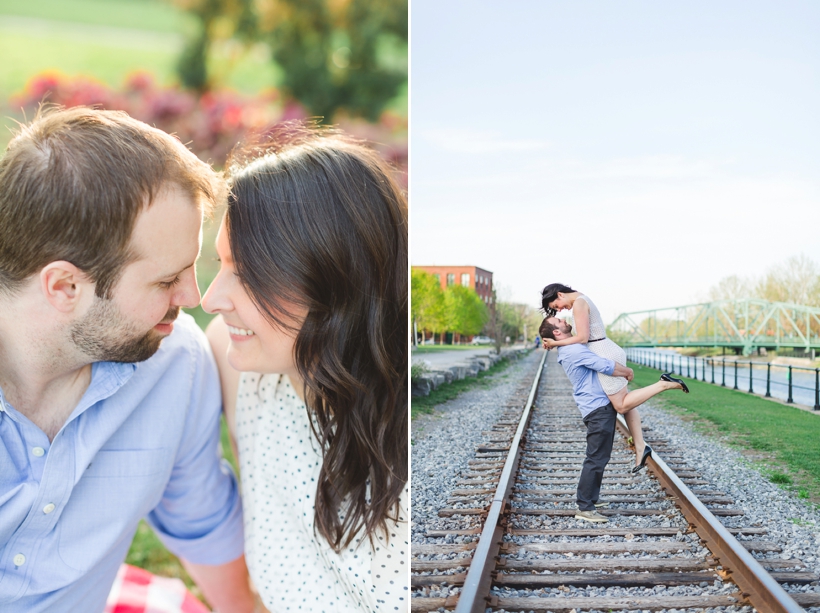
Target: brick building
pixel 469 276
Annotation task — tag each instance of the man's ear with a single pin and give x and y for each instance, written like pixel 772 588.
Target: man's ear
pixel 64 285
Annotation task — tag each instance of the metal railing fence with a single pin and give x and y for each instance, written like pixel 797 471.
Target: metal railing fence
pixel 780 380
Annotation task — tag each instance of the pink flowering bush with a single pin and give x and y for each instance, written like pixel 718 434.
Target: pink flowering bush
pixel 210 124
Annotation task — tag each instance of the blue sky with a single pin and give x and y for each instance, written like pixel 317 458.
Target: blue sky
pixel 639 151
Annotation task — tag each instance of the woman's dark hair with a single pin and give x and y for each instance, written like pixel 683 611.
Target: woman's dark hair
pixel 550 293
pixel 317 221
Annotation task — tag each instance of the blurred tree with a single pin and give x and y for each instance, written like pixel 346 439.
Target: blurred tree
pixel 494 326
pixel 216 20
pixel 334 54
pixel 796 280
pixel 426 302
pixel 465 312
pixel 515 317
pixel 732 287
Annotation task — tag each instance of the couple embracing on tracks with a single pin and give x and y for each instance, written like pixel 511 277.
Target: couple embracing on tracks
pixel 596 367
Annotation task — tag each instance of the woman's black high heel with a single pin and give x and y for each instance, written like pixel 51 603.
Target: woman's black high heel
pixel 647 451
pixel 667 377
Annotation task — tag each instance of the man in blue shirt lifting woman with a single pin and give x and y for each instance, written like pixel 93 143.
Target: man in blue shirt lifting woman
pixel 109 397
pixel 582 367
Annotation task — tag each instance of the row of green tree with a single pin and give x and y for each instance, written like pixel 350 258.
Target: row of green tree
pixel 456 309
pixel 461 311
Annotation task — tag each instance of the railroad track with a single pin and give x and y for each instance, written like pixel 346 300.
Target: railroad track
pixel 512 543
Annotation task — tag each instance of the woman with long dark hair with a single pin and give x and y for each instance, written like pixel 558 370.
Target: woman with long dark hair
pixel 588 327
pixel 311 341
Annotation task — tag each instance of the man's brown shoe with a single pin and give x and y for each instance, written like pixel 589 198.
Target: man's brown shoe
pixel 601 504
pixel 592 516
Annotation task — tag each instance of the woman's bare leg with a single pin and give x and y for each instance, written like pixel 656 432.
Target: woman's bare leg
pixel 625 403
pixel 633 422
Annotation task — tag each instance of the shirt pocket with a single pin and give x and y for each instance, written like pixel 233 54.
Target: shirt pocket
pixel 116 490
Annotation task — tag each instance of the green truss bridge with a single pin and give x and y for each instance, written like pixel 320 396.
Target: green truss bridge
pixel 744 326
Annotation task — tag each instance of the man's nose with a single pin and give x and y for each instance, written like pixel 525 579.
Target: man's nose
pixel 187 294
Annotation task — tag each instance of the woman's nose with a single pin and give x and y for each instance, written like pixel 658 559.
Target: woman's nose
pixel 215 299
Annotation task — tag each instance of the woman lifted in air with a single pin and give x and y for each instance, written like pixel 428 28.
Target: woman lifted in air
pixel 589 328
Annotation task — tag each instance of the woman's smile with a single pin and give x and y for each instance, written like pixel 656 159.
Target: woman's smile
pixel 239 334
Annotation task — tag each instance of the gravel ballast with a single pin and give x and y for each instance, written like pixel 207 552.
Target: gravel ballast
pixel 445 441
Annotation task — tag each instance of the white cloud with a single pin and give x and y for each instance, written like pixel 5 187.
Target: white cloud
pixel 456 140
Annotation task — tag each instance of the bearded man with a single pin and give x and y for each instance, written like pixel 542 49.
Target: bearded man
pixel 109 397
pixel 582 367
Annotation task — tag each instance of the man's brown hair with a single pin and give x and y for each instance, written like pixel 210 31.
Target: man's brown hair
pixel 546 329
pixel 74 181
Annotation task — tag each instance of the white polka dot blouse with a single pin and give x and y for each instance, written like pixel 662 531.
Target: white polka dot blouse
pixel 294 568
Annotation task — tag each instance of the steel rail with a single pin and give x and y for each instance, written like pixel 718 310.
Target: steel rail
pixel 756 585
pixel 477 584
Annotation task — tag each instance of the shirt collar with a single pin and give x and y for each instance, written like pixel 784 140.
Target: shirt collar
pixel 106 379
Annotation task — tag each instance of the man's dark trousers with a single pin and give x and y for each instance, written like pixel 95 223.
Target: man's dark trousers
pixel 600 436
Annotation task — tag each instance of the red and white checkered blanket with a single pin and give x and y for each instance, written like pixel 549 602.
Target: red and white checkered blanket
pixel 137 591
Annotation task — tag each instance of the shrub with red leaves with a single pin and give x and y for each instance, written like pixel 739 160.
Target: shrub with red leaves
pixel 210 124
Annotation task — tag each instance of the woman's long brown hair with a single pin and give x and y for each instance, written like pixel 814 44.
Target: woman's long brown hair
pixel 317 221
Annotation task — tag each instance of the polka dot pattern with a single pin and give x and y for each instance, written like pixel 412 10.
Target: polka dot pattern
pixel 294 568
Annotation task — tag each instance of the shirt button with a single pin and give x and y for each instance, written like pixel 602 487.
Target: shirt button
pixel 48 508
pixel 38 451
pixel 19 559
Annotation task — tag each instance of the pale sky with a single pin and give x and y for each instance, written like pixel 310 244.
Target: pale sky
pixel 639 151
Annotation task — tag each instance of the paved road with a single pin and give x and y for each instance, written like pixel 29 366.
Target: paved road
pixel 444 359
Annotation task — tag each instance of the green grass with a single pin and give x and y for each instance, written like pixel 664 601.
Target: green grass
pixel 786 436
pixel 110 59
pixel 485 379
pixel 155 15
pixel 149 553
pixel 437 348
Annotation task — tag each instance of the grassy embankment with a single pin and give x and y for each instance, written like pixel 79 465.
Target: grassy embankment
pixel 783 439
pixel 437 348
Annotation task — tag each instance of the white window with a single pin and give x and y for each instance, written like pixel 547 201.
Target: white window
pixel 465 279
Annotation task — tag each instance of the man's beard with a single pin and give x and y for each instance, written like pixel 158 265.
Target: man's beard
pixel 105 335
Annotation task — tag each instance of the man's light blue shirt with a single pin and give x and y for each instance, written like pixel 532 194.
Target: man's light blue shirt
pixel 582 367
pixel 143 442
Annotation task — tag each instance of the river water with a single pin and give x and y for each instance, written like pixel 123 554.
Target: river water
pixel 803 380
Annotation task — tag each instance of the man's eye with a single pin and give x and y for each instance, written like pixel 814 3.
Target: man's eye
pixel 169 284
